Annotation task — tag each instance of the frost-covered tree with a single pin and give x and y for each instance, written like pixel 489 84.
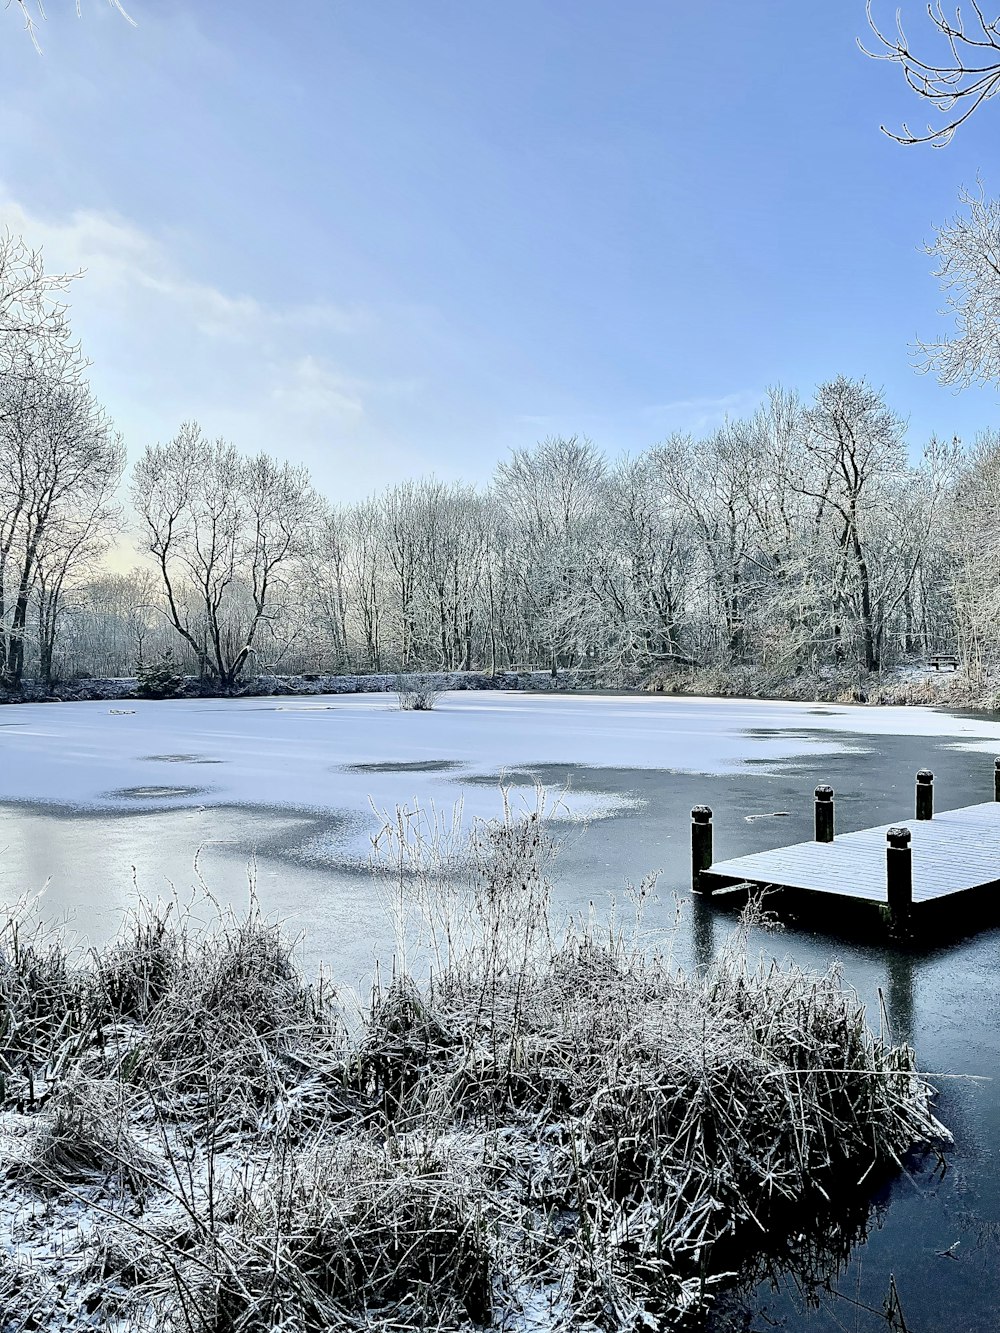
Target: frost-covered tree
pixel 327 588
pixel 60 462
pixel 967 250
pixel 114 626
pixel 641 570
pixel 973 530
pixel 226 533
pixel 31 11
pixel 853 473
pixel 550 497
pixel 709 481
pixel 451 545
pixel 956 77
pixel 35 338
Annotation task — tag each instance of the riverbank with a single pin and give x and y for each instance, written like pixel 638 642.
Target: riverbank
pixel 907 685
pixel 559 1128
pixel 115 688
pixel 911 685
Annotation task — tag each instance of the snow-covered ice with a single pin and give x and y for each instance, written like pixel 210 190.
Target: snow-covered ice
pixel 93 791
pixel 347 753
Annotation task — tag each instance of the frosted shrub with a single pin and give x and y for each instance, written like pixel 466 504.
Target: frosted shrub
pixel 417 694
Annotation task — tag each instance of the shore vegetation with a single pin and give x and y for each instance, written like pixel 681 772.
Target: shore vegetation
pixel 532 1123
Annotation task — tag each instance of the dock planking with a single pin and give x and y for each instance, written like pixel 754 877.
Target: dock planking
pixel 954 852
pixel 902 872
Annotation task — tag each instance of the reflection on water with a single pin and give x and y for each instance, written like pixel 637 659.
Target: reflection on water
pixel 805 1270
pixel 900 974
pixel 90 869
pixel 703 914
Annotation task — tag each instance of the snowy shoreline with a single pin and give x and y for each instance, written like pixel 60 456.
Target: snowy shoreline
pixel 113 688
pixel 904 686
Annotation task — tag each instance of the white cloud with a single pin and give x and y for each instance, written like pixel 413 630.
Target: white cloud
pixel 122 263
pixel 363 396
pixel 311 388
pixel 697 414
pixel 298 378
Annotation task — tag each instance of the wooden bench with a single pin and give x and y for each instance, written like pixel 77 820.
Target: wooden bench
pixel 939 660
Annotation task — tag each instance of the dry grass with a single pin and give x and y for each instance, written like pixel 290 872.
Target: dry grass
pixel 418 693
pixel 671 1126
pixel 535 1115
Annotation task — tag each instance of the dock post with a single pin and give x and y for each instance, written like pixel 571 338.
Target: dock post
pixel 996 779
pixel 701 845
pixel 824 813
pixel 899 879
pixel 925 794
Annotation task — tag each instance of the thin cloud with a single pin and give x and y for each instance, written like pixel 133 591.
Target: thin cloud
pixel 166 347
pixel 120 261
pixel 707 409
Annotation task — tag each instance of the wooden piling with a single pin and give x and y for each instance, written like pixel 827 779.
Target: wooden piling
pixel 701 846
pixel 996 779
pixel 899 879
pixel 824 813
pixel 925 794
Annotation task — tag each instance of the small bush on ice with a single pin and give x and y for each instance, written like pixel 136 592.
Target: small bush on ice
pixel 417 694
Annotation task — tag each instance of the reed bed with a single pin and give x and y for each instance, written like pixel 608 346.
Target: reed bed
pixel 532 1124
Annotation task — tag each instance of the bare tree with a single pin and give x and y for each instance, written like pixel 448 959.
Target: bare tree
pixel 72 550
pixel 401 542
pixel 641 570
pixel 59 457
pixel 551 496
pixel 60 461
pixel 973 536
pixel 368 576
pixel 957 79
pixel 116 625
pixel 710 481
pixel 857 458
pixel 450 537
pixel 328 588
pixel 225 533
pixel 34 326
pixel 956 82
pixel 968 253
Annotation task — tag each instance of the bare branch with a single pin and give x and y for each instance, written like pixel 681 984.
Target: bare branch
pixel 33 13
pixel 956 84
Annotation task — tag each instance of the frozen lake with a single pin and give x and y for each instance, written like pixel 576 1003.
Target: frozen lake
pixel 98 799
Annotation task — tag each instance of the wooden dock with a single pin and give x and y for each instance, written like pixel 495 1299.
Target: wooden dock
pixel 900 873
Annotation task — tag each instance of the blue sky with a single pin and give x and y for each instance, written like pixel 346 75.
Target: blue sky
pixel 385 237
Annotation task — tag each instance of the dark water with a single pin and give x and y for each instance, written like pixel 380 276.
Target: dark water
pixel 936 1236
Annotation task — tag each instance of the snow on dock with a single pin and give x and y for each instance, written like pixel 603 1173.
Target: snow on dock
pixel 954 852
pixel 901 870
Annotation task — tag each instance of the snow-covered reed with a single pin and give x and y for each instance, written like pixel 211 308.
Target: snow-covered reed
pixel 418 693
pixel 534 1117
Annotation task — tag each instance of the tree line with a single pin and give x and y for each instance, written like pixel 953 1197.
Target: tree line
pixel 801 536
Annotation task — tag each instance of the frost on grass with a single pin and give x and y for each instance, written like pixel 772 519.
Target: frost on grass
pixel 418 693
pixel 537 1125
